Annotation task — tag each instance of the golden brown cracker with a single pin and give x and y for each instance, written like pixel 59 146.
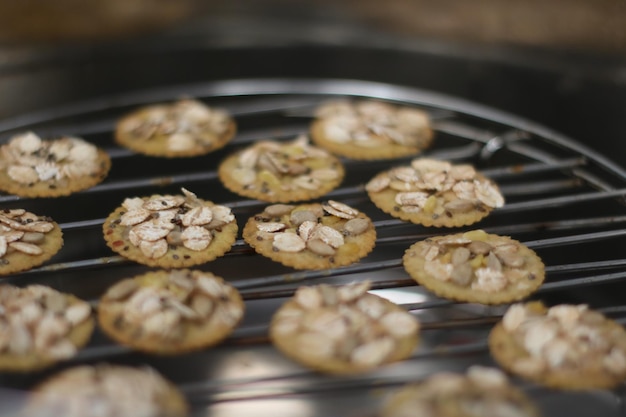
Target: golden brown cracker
pixel 480 391
pixel 174 252
pixel 116 389
pixel 435 193
pixel 343 243
pixel 32 360
pixel 487 269
pixel 29 241
pixel 185 128
pixel 281 172
pixel 588 372
pixel 343 330
pixel 32 167
pixel 205 318
pixel 369 129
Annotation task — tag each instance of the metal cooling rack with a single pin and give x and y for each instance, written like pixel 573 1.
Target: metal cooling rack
pixel 563 200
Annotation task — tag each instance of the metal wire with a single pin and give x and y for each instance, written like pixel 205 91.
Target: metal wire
pixel 542 171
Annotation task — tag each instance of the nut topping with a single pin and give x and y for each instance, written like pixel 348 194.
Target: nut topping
pixel 559 341
pixel 372 125
pixel 486 272
pixel 28 159
pixel 433 190
pixel 289 242
pixel 340 210
pixel 333 328
pixel 186 127
pixel 308 228
pixel 39 322
pixel 282 172
pixel 157 221
pixel 24 232
pixel 106 391
pixel 481 391
pixel 311 236
pixel 475 266
pixel 170 311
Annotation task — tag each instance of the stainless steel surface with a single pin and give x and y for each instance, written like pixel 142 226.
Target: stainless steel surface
pixel 564 200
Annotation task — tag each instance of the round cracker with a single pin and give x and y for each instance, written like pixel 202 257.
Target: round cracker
pixel 283 188
pixel 355 247
pixel 50 397
pixel 54 187
pixel 529 276
pixel 354 151
pixel 373 140
pixel 506 350
pixel 16 261
pixel 435 193
pixel 194 334
pixel 288 343
pixel 448 395
pixel 116 237
pixel 34 361
pixel 206 139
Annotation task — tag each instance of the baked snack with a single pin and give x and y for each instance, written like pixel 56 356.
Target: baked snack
pixel 564 346
pixel 105 390
pixel 368 129
pixel 475 267
pixel 184 128
pixel 281 172
pixel 480 392
pixel 436 193
pixel 26 240
pixel 170 231
pixel 170 312
pixel 40 326
pixel 344 329
pixel 32 167
pixel 311 236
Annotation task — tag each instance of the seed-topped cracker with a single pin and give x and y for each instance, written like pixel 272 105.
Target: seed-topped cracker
pixel 281 172
pixel 480 392
pixel 184 128
pixel 27 240
pixel 170 312
pixel 106 390
pixel 33 167
pixel 311 236
pixel 565 346
pixel 40 326
pixel 343 330
pixel 367 129
pixel 436 193
pixel 170 231
pixel 475 267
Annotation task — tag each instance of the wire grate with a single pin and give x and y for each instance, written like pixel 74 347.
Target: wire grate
pixel 563 200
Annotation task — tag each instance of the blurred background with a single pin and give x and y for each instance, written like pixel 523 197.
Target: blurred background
pixel 578 25
pixel 559 62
